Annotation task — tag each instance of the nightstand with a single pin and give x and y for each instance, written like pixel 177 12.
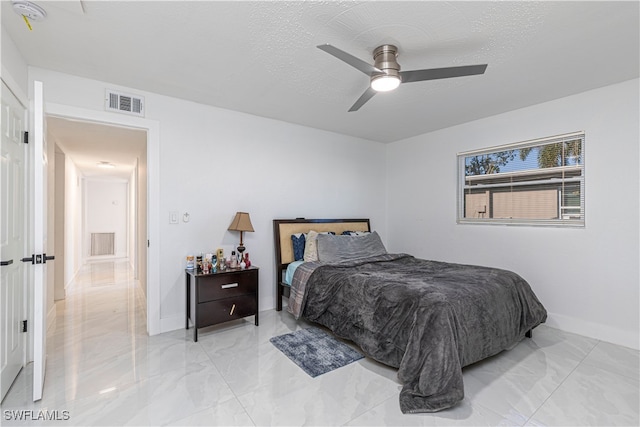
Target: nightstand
pixel 220 297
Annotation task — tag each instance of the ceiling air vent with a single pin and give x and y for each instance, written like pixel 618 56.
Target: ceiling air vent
pixel 124 103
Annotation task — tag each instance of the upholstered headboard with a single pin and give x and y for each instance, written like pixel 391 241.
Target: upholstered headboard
pixel 284 228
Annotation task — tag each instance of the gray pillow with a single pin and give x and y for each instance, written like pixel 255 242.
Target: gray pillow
pixel 342 248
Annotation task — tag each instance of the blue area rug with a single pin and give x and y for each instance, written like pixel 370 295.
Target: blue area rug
pixel 315 351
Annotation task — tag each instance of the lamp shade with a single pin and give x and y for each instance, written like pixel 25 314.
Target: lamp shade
pixel 241 222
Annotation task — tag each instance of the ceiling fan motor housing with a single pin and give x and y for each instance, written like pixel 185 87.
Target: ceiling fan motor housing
pixel 385 60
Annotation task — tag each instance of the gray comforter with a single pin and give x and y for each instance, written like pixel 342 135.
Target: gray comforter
pixel 426 318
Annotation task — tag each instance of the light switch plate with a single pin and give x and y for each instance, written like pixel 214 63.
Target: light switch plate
pixel 173 217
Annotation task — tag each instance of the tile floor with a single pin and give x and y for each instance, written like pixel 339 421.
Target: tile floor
pixel 103 369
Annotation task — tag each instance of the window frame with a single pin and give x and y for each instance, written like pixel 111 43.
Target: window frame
pixel 556 222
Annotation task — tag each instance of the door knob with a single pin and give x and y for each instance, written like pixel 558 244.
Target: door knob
pixel 38 259
pixel 3 263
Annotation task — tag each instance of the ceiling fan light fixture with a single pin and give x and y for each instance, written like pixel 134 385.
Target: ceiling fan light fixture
pixel 385 59
pixel 384 82
pixel 385 74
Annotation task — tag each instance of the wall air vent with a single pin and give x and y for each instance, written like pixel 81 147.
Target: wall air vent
pixel 124 103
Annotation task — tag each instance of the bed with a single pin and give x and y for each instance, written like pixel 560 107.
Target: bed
pixel 426 318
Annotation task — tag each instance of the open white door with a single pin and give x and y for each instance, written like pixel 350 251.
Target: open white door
pixel 13 243
pixel 39 257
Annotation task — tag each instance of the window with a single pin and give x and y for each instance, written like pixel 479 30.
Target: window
pixel 538 182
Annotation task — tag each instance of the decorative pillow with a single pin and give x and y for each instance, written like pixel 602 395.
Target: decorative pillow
pixel 310 247
pixel 343 248
pixel 298 241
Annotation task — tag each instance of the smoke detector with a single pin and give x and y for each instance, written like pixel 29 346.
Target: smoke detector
pixel 30 10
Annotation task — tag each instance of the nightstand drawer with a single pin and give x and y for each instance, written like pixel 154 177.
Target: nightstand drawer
pixel 228 285
pixel 222 296
pixel 226 309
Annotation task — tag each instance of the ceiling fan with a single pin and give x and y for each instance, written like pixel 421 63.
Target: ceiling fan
pixel 385 73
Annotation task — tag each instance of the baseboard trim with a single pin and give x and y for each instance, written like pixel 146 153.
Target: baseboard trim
pixel 102 258
pixel 172 323
pixel 626 338
pixel 71 281
pixel 51 318
pixel 141 296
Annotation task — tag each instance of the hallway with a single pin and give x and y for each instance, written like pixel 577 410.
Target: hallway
pixel 97 344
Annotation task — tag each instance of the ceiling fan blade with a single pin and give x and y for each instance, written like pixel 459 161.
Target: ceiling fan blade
pixel 441 73
pixel 367 95
pixel 357 63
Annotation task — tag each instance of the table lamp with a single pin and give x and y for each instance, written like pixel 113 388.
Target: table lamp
pixel 241 223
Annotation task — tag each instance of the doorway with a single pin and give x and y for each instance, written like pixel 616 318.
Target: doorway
pixel 98 188
pixel 147 268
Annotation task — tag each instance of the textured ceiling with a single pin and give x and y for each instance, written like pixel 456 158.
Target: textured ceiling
pixel 89 143
pixel 260 57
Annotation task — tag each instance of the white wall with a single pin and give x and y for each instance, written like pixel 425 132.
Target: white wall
pixel 14 67
pixel 131 217
pixel 106 211
pixel 586 278
pixel 214 162
pixel 60 254
pixel 223 162
pixel 50 230
pixel 142 226
pixel 73 221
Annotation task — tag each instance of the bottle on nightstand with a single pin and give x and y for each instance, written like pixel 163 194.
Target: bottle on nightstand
pixel 234 260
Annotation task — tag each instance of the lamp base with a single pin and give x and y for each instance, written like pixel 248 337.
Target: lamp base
pixel 241 262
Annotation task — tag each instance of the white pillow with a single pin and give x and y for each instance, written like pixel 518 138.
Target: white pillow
pixel 311 247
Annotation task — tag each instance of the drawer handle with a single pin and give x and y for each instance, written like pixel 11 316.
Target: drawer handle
pixel 230 285
pixel 233 307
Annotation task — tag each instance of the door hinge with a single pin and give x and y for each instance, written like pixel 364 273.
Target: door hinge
pixel 25 137
pixel 24 326
pixel 147 243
